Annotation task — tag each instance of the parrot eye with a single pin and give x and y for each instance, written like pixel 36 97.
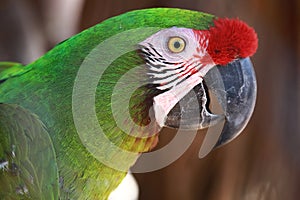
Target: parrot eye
pixel 176 44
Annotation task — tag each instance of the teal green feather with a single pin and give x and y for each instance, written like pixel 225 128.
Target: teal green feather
pixel 45 88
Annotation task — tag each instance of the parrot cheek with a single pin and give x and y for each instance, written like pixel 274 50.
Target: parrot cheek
pixel 234 88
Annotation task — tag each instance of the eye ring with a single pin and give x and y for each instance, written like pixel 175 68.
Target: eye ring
pixel 176 44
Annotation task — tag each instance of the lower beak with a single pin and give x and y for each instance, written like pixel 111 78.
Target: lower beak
pixel 234 87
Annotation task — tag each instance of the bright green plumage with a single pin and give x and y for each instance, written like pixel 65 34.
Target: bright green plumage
pixel 43 91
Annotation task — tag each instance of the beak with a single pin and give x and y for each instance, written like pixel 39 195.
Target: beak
pixel 234 87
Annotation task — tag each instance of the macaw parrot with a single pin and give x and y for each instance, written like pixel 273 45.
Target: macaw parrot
pixel 176 59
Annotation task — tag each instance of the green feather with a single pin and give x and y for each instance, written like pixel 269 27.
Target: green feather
pixel 11 69
pixel 45 88
pixel 27 151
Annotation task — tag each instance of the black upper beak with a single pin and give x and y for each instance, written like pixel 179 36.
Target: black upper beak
pixel 234 87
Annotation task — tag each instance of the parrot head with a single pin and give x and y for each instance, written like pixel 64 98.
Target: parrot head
pixel 184 64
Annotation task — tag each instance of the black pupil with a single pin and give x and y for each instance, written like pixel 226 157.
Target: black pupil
pixel 177 45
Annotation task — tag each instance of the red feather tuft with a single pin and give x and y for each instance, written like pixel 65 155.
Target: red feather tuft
pixel 230 39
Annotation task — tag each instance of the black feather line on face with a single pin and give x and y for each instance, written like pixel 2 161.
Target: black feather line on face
pixel 147 57
pixel 164 70
pixel 150 92
pixel 150 58
pixel 155 51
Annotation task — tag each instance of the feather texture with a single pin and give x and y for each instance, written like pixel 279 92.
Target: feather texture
pixel 46 90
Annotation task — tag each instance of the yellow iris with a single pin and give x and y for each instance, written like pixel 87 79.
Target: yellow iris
pixel 176 44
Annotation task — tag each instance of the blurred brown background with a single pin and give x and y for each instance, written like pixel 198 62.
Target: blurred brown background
pixel 261 164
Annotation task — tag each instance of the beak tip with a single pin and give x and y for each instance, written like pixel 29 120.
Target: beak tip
pixel 237 98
